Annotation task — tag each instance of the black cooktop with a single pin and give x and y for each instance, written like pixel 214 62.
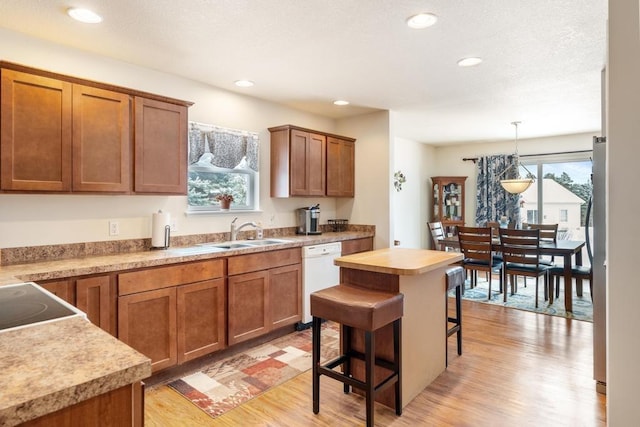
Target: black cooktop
pixel 28 303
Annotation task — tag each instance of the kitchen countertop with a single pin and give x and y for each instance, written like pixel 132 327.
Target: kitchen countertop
pixel 54 365
pixel 399 261
pixel 73 267
pixel 50 366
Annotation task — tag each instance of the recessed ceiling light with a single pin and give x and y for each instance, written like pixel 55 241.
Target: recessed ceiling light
pixel 469 62
pixel 341 102
pixel 421 20
pixel 84 15
pixel 244 83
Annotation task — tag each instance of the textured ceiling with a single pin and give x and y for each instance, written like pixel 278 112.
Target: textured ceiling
pixel 542 59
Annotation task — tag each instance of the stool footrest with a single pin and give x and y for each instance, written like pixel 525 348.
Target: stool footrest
pixel 360 356
pixel 390 380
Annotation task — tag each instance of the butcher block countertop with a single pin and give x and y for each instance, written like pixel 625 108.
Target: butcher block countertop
pixel 51 366
pixel 399 261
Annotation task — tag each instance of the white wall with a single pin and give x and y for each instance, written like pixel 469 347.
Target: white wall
pixel 412 205
pixel 371 204
pixel 623 205
pixel 450 161
pixel 29 220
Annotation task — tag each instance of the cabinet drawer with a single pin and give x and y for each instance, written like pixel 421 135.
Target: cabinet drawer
pixel 164 277
pixel 263 260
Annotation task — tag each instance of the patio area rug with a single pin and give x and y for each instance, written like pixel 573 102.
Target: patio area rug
pixel 232 381
pixel 524 299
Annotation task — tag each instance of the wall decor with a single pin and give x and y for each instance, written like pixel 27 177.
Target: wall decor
pixel 398 180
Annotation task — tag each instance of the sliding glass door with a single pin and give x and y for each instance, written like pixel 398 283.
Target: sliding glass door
pixel 560 197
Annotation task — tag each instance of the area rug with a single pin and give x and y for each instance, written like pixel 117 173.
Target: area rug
pixel 230 382
pixel 524 299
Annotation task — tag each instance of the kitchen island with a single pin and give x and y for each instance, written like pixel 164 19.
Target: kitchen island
pixel 419 275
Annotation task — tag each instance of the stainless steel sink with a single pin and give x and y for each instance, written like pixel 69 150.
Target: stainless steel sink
pixel 196 250
pixel 238 244
pixel 225 245
pixel 265 242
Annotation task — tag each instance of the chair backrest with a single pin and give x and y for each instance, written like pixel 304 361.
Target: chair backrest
pixel 437 233
pixel 495 226
pixel 520 246
pixel 475 243
pixel 548 232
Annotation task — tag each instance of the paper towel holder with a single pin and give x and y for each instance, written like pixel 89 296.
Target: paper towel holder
pixel 166 241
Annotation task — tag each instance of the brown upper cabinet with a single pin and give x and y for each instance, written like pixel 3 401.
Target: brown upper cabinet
pixel 161 147
pixel 65 134
pixel 340 167
pixel 306 162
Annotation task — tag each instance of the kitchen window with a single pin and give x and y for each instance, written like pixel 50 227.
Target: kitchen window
pixel 222 161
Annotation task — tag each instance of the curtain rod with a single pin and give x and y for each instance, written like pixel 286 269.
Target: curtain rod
pixel 475 159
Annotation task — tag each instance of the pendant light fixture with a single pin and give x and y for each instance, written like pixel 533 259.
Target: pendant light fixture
pixel 516 185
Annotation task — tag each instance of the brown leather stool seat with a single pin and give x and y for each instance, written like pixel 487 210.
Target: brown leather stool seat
pixel 358 308
pixel 455 277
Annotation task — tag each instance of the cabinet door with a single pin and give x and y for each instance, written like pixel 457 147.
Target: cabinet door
pixel 94 297
pixel 61 288
pixel 101 135
pixel 248 306
pixel 340 167
pixel 308 164
pixel 285 295
pixel 201 319
pixel 35 139
pixel 147 322
pixel 160 147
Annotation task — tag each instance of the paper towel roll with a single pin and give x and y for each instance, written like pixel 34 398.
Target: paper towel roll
pixel 159 229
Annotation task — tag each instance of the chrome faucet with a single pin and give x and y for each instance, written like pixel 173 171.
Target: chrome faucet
pixel 234 229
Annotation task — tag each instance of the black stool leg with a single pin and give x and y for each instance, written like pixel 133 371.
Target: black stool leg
pixel 315 353
pixel 346 349
pixel 369 362
pixel 459 318
pixel 397 357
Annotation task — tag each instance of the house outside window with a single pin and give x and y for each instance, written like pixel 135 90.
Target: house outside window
pixel 222 161
pixel 564 215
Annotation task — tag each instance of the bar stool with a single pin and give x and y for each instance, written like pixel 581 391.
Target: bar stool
pixel 368 310
pixel 455 277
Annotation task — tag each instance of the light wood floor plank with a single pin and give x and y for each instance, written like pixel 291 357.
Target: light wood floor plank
pixel 517 368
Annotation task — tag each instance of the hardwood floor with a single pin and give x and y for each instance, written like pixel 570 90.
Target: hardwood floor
pixel 517 368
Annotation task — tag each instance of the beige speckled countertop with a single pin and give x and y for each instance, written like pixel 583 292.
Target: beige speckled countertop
pixel 51 366
pixel 58 269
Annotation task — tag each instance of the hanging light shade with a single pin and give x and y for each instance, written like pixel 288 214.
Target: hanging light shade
pixel 516 185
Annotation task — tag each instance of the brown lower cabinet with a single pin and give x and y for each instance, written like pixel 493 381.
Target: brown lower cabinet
pixel 267 299
pixel 123 406
pixel 95 296
pixel 167 318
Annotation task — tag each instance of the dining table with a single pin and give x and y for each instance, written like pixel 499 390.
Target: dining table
pixel 567 249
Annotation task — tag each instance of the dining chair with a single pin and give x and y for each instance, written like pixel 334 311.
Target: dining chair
pixel 578 272
pixel 437 234
pixel 521 254
pixel 476 247
pixel 548 233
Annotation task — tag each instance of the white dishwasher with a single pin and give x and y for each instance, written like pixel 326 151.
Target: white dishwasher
pixel 318 272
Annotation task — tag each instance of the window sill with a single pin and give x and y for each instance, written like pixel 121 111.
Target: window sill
pixel 229 212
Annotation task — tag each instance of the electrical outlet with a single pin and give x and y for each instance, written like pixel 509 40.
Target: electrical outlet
pixel 174 226
pixel 114 228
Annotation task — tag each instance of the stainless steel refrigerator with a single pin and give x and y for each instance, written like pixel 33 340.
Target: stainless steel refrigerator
pixel 599 252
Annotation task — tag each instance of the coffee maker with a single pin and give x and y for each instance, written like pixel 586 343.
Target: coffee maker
pixel 309 220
